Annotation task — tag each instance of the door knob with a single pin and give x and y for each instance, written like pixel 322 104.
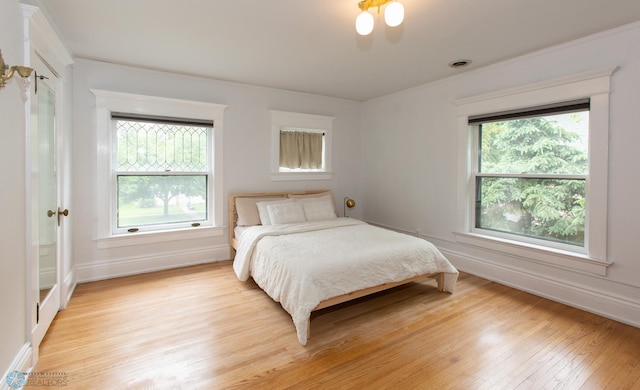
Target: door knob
pixel 60 212
pixel 50 213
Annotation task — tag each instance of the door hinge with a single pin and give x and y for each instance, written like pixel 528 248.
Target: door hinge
pixel 41 77
pixel 37 313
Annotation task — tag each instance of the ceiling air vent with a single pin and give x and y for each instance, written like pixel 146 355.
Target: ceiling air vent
pixel 459 63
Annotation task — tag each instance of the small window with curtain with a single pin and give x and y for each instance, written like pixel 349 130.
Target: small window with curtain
pixel 531 171
pixel 301 149
pixel 301 146
pixel 163 172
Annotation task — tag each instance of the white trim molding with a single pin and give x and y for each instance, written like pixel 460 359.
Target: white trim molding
pixel 68 287
pixel 110 101
pixel 42 38
pixel 584 297
pixel 283 119
pixel 117 267
pixel 618 307
pixel 21 363
pixel 548 256
pixel 594 85
pixel 156 237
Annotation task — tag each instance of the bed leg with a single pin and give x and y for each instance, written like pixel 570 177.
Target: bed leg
pixel 440 280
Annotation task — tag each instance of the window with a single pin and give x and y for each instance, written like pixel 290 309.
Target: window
pixel 301 146
pixel 530 173
pixel 533 171
pixel 301 150
pixel 159 169
pixel 163 167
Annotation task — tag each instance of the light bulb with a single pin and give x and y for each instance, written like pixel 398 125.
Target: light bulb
pixel 364 23
pixel 394 14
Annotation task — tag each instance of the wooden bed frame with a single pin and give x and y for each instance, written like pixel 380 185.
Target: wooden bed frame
pixel 233 243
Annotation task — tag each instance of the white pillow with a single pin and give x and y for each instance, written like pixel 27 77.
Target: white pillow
pixel 280 213
pixel 315 198
pixel 264 213
pixel 318 210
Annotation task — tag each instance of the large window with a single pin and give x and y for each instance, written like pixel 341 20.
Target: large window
pixel 159 169
pixel 530 172
pixel 533 167
pixel 163 167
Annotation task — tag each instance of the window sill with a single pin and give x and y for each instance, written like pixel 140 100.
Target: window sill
pixel 537 254
pixel 284 176
pixel 143 238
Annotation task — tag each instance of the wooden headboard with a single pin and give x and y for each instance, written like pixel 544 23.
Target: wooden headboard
pixel 233 212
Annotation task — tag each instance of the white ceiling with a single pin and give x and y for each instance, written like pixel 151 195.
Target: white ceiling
pixel 312 46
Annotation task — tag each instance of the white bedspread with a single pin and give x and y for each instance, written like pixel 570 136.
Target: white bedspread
pixel 300 265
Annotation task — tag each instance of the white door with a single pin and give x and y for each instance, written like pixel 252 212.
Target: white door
pixel 47 215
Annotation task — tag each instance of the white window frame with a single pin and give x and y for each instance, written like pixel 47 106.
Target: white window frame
pixel 108 102
pixel 594 85
pixel 302 122
pixel 168 226
pixel 475 173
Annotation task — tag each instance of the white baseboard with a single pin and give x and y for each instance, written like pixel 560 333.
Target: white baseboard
pixel 586 298
pixel 68 286
pixel 21 363
pixel 625 309
pixel 87 272
pixel 47 277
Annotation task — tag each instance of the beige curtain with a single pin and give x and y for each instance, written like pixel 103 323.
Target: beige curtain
pixel 299 149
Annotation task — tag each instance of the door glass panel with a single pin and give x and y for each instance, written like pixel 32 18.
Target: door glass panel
pixel 47 191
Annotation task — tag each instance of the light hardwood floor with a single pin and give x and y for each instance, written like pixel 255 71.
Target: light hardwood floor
pixel 200 328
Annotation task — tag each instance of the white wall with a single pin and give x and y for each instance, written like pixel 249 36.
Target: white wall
pixel 13 261
pixel 247 132
pixel 397 156
pixel 410 159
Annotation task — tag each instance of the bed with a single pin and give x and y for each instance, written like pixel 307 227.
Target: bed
pixel 295 247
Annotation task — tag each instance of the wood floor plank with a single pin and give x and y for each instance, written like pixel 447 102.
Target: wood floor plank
pixel 200 328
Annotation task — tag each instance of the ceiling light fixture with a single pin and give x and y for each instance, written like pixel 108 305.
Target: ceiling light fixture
pixel 393 15
pixel 23 71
